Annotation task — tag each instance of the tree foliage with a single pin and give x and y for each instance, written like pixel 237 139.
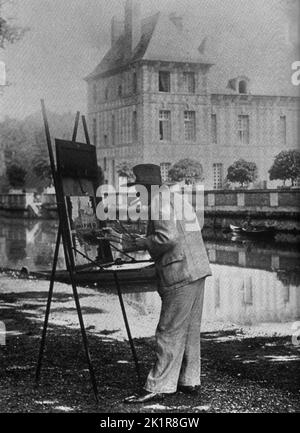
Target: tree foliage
pixel 16 175
pixel 188 170
pixel 124 169
pixel 42 169
pixel 9 33
pixel 242 172
pixel 286 166
pixel 24 143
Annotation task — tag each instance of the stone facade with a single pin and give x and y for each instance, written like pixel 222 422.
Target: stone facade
pixel 132 119
pixel 273 127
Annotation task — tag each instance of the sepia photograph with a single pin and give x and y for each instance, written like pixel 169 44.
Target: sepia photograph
pixel 149 209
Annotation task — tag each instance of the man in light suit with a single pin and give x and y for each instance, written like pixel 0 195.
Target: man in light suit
pixel 177 248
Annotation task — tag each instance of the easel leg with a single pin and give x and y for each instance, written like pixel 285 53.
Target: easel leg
pixel 47 313
pixel 82 327
pixel 137 367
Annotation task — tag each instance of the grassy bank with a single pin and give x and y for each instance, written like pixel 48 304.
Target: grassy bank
pixel 240 372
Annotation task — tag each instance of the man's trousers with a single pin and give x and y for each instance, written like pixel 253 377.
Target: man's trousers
pixel 178 339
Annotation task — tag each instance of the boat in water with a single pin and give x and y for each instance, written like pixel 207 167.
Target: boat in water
pixel 252 231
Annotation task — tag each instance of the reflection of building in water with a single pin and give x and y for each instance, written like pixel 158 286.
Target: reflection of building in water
pixel 235 295
pixel 244 289
pixel 28 244
pixel 249 296
pixel 253 256
pixel 2 249
pixel 15 242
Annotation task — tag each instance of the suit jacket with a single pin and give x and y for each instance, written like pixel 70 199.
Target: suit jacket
pixel 175 243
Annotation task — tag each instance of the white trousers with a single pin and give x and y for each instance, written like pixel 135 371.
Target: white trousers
pixel 178 339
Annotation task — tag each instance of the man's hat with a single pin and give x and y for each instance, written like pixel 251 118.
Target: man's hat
pixel 146 174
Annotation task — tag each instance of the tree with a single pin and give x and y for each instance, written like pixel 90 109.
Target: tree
pixel 42 169
pixel 24 142
pixel 189 170
pixel 286 166
pixel 124 169
pixel 242 172
pixel 9 33
pixel 16 175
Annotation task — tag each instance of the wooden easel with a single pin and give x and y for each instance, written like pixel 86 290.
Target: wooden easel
pixel 88 174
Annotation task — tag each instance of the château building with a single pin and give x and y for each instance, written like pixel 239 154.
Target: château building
pixel 159 96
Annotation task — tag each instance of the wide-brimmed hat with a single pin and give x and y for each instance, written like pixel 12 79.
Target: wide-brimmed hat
pixel 146 174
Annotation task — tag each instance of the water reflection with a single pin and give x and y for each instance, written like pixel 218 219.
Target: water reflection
pixel 240 296
pixel 252 282
pixel 28 243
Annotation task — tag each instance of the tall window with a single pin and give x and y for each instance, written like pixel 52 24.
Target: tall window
pixel 95 93
pixel 105 139
pixel 243 129
pixel 106 94
pixel 134 82
pixel 164 81
pixel 214 132
pixel 104 164
pixel 282 130
pixel 95 132
pixel 218 175
pixel 113 170
pixel 113 130
pixel 134 126
pixel 189 82
pixel 189 126
pixel 164 170
pixel 165 125
pixel 120 91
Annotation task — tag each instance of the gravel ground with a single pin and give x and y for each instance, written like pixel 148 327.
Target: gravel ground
pixel 240 372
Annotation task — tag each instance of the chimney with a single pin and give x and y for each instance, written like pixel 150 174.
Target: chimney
pixel 177 20
pixel 132 24
pixel 117 28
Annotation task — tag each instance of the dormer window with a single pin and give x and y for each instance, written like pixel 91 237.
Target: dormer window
pixel 243 86
pixel 239 85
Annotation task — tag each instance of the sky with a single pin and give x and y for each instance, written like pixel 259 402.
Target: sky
pixel 68 38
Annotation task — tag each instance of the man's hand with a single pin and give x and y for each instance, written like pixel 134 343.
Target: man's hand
pixel 134 244
pixel 112 235
pixel 141 244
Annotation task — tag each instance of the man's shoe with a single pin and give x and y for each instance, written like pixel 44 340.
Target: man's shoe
pixel 190 390
pixel 144 397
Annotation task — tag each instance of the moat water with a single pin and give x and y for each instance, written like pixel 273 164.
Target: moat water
pixel 253 282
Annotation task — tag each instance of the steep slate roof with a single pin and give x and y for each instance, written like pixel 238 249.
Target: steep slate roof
pixel 168 43
pixel 160 40
pixel 268 68
pixel 116 55
pixel 258 50
pixel 259 53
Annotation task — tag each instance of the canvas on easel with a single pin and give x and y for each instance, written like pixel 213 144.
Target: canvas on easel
pixel 76 177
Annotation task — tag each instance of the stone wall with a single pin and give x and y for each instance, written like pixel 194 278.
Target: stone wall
pixel 266 208
pixel 255 200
